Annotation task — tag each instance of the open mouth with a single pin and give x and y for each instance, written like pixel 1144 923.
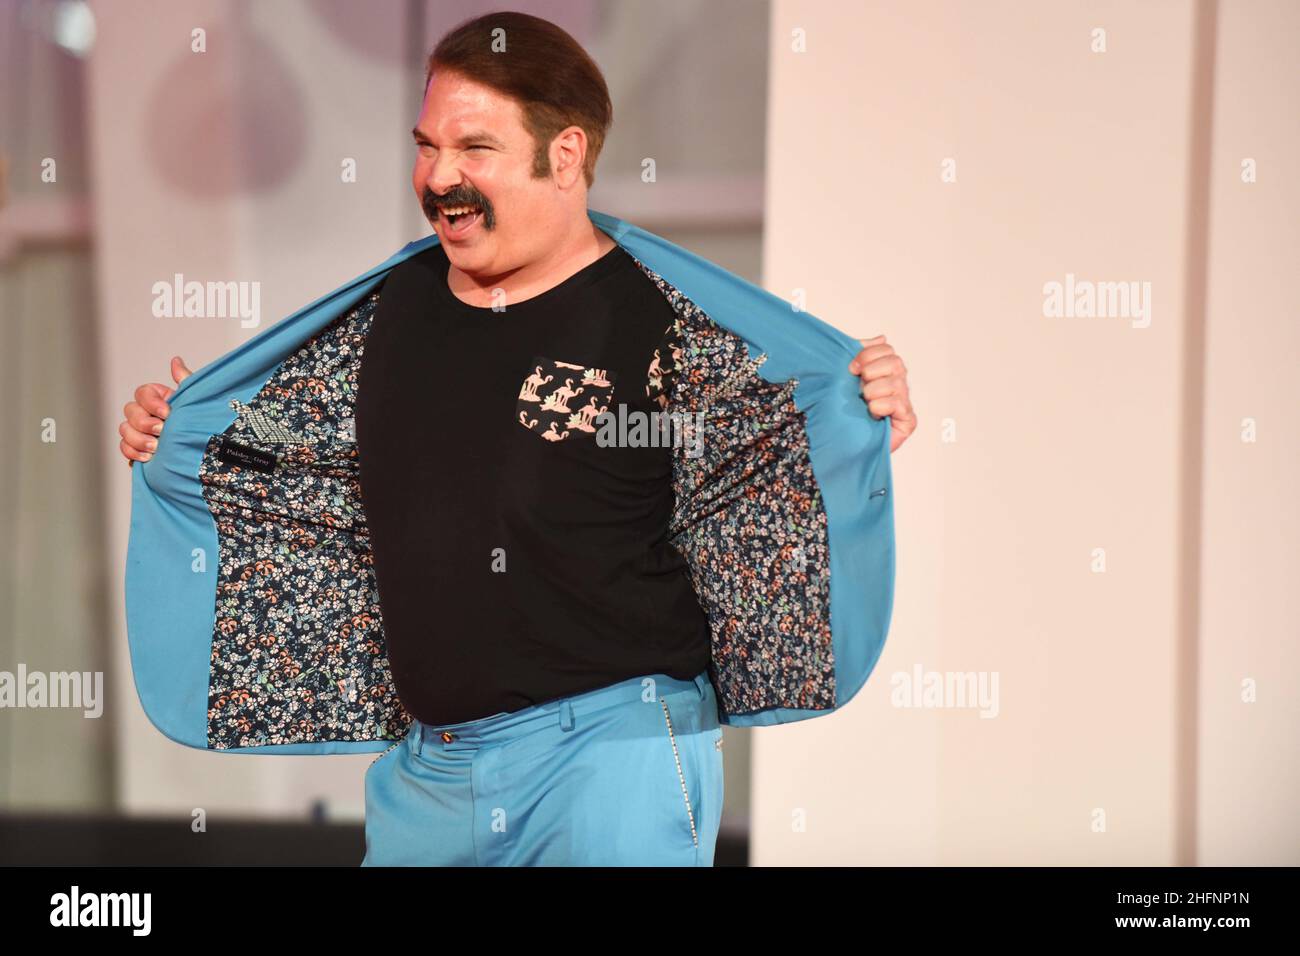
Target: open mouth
pixel 457 221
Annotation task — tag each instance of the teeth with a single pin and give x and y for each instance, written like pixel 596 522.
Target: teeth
pixel 459 210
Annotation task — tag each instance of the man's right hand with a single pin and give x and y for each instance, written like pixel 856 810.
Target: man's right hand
pixel 144 416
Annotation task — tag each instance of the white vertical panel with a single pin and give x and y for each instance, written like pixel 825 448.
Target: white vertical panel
pixel 1067 161
pixel 1249 753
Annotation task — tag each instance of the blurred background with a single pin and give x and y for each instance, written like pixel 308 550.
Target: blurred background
pixel 1096 514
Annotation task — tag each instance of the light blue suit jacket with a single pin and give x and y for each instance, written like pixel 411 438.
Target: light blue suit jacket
pixel 786 525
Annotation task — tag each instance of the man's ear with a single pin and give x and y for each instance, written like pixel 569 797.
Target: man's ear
pixel 568 156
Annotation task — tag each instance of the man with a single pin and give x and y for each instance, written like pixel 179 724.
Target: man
pixel 544 635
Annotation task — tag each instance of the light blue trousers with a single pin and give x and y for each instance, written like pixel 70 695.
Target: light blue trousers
pixel 627 775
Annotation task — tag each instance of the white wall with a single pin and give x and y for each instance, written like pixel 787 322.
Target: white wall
pixel 1070 433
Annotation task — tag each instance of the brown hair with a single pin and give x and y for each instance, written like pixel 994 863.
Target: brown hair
pixel 556 83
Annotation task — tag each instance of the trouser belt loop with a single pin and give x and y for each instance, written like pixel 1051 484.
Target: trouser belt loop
pixel 701 684
pixel 566 715
pixel 418 731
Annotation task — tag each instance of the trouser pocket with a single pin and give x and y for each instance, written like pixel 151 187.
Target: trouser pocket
pixel 692 735
pixel 386 753
pixel 682 739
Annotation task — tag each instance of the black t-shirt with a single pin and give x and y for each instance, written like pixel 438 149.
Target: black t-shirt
pixel 518 560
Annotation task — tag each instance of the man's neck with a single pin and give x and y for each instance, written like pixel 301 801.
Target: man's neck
pixel 528 281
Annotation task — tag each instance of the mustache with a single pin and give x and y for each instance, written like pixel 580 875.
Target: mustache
pixel 457 197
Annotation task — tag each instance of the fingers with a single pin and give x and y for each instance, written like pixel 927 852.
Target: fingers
pixel 875 363
pixel 179 371
pixel 874 349
pixel 137 438
pixel 888 396
pixel 143 417
pixel 882 387
pixel 895 406
pixel 139 429
pixel 129 451
pixel 882 405
pixel 152 400
pixel 140 418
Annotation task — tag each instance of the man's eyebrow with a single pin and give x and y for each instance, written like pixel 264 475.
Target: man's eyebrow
pixel 472 138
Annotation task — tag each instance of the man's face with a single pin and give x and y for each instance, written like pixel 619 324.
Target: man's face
pixel 473 151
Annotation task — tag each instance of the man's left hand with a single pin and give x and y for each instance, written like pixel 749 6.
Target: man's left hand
pixel 884 387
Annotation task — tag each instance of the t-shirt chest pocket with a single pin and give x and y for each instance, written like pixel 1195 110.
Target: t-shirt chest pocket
pixel 559 400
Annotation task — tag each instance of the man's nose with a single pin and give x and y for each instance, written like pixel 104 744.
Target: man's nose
pixel 443 177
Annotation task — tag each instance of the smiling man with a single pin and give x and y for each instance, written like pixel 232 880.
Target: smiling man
pixel 546 633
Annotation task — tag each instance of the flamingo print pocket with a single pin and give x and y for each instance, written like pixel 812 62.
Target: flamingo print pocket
pixel 559 401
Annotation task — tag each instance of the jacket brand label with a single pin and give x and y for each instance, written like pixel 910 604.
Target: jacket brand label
pixel 245 456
